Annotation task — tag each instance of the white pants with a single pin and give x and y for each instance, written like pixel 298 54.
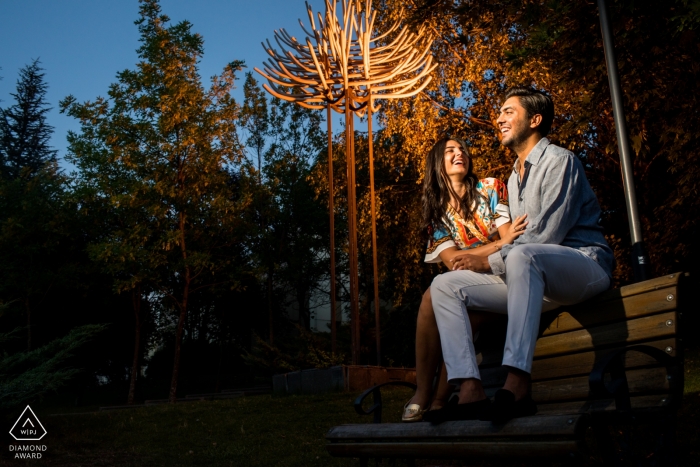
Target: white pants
pixel 538 278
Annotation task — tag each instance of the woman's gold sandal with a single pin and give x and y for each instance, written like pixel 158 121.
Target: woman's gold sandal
pixel 412 413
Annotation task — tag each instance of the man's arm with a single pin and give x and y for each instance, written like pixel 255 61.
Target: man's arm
pixel 560 205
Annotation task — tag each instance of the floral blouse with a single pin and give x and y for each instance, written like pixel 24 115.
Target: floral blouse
pixel 491 213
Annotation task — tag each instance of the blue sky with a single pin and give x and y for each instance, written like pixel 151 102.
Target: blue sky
pixel 82 44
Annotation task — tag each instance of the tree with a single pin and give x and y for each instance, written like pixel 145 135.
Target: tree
pixel 656 48
pixel 255 120
pixel 32 195
pixel 292 240
pixel 26 376
pixel 485 47
pixel 33 236
pixel 159 154
pixel 24 132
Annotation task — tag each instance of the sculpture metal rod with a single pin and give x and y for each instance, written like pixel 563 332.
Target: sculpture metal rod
pixel 640 262
pixel 352 230
pixel 374 235
pixel 331 211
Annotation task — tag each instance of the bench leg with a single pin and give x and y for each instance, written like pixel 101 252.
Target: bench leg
pixel 606 446
pixel 619 444
pixel 665 452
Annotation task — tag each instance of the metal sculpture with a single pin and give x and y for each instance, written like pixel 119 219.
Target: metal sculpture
pixel 343 65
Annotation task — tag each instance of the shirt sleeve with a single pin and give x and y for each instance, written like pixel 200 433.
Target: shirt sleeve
pixel 498 202
pixel 558 211
pixel 438 241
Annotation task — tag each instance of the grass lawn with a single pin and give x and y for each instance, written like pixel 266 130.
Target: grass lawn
pixel 251 431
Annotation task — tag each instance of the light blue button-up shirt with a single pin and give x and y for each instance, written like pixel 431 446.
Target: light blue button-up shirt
pixel 560 205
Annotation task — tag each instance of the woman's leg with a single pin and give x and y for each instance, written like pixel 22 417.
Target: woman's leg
pixel 443 389
pixel 428 352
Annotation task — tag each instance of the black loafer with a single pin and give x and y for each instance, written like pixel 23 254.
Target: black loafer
pixel 506 407
pixel 452 412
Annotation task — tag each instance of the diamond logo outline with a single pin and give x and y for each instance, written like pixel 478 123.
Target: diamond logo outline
pixel 21 417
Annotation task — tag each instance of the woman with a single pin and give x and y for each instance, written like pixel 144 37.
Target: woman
pixel 462 215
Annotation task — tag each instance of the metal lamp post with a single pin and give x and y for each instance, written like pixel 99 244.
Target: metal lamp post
pixel 640 261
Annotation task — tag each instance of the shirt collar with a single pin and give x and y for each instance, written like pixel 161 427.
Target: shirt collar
pixel 535 153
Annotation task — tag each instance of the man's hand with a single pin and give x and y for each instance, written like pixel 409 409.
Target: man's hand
pixel 471 262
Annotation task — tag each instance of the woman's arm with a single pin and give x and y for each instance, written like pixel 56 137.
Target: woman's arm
pixel 508 233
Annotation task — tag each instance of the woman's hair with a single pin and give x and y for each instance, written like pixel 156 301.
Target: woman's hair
pixel 437 188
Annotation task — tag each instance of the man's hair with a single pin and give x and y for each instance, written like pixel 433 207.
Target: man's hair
pixel 535 102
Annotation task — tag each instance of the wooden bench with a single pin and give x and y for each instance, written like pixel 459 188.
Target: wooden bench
pixel 600 367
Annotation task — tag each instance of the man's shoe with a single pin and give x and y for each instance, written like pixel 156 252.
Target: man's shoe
pixel 506 407
pixel 452 412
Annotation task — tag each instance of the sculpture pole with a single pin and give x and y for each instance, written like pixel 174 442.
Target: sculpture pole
pixel 331 211
pixel 352 227
pixel 374 234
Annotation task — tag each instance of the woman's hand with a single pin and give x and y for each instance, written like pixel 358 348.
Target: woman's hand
pixel 516 229
pixel 471 262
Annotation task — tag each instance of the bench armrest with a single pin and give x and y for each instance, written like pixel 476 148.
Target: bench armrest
pixel 377 399
pixel 614 363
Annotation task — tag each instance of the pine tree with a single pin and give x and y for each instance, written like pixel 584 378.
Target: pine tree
pixel 29 375
pixel 24 132
pixel 32 194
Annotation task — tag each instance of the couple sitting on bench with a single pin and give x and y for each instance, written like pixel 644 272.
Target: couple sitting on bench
pixel 545 251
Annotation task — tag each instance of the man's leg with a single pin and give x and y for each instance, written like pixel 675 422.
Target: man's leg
pixel 452 294
pixel 564 276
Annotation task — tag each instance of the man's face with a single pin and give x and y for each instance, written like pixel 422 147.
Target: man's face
pixel 513 123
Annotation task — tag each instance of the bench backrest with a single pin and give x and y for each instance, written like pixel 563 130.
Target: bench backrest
pixel 572 339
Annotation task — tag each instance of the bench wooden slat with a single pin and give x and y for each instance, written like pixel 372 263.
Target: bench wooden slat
pixel 579 364
pixel 633 289
pixel 609 335
pixel 552 425
pixel 635 306
pixel 582 363
pixel 456 450
pixel 634 330
pixel 645 380
pixel 607 405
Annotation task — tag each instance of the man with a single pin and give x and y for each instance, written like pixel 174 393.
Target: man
pixel 561 259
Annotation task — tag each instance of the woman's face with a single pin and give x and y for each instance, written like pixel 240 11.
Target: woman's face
pixel 456 161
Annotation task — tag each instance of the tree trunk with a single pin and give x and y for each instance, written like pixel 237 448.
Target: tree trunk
pixel 304 314
pixel 217 387
pixel 29 323
pixel 183 314
pixel 178 343
pixel 269 307
pixel 136 301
